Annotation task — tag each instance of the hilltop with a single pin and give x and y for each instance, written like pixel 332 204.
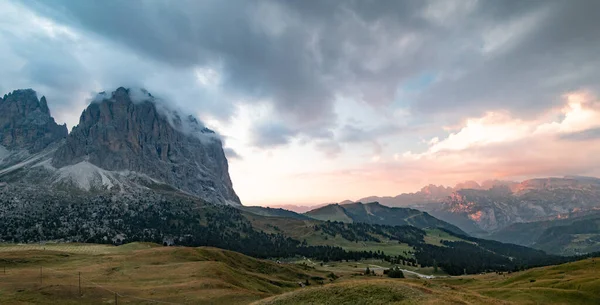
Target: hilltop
pixel 375 213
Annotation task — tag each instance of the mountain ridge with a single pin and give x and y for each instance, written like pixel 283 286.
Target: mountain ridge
pixel 125 140
pixel 376 213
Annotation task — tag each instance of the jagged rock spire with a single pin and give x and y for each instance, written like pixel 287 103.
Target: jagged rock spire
pixel 126 131
pixel 25 122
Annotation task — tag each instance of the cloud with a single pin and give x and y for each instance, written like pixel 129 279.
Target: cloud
pixel 351 134
pixel 584 135
pixel 351 79
pixel 271 135
pixel 300 56
pixel 330 148
pixel 561 141
pixel 231 154
pixel 520 60
pixel 578 115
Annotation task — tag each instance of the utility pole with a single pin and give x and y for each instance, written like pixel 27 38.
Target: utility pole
pixel 80 283
pixel 41 276
pixel 116 299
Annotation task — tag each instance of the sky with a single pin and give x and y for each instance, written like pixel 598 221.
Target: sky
pixel 322 101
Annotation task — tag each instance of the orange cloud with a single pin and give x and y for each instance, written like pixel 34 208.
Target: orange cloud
pixel 494 146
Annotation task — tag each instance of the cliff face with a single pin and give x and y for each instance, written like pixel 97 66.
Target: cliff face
pixel 132 131
pixel 26 124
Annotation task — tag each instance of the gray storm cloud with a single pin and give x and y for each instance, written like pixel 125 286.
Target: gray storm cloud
pixel 300 55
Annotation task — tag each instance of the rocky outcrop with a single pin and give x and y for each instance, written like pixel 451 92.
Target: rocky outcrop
pixel 488 210
pixel 26 123
pixel 132 131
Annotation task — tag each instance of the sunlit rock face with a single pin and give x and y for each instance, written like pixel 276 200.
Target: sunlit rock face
pixel 531 200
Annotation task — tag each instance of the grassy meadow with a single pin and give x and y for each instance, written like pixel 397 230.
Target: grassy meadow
pixel 141 271
pixel 144 273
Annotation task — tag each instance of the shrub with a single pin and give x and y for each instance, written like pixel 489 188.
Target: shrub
pixel 395 273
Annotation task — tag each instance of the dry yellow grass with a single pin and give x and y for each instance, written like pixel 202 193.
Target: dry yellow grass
pixel 572 283
pixel 178 275
pixel 378 291
pixel 142 272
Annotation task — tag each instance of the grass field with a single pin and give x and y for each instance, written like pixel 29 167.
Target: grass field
pixel 573 283
pixel 434 236
pixel 378 291
pixel 75 247
pixel 304 230
pixel 142 273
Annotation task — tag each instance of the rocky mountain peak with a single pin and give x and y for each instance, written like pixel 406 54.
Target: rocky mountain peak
pixel 131 130
pixel 26 123
pixel 436 191
pixel 467 185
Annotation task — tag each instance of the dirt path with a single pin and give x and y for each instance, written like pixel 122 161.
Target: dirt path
pixel 378 268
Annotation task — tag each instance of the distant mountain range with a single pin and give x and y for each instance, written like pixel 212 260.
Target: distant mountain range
pixel 545 213
pixel 480 209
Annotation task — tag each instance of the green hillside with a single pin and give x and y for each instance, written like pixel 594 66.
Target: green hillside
pixel 331 212
pixel 273 212
pixel 579 237
pixel 375 213
pixel 571 236
pixel 571 283
pixel 453 253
